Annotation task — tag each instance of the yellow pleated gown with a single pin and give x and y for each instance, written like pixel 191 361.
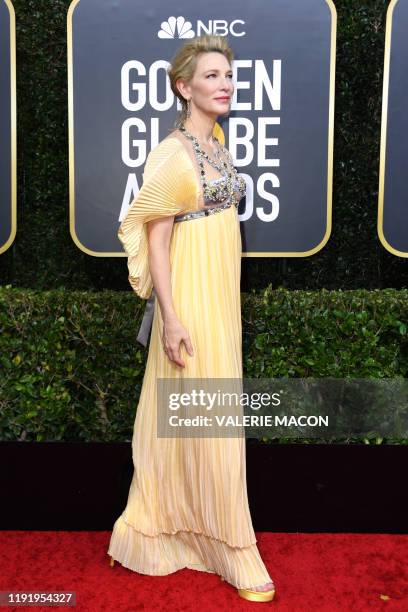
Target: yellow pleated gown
pixel 187 503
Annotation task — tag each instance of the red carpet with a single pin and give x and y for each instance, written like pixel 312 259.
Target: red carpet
pixel 312 572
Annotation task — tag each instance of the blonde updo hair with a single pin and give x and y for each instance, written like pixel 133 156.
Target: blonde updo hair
pixel 184 64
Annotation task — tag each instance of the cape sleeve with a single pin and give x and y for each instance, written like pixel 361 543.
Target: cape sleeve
pixel 169 188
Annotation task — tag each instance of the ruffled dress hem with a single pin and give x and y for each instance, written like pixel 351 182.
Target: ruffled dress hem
pixel 166 553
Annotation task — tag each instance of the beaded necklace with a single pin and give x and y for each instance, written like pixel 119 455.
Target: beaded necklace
pixel 226 170
pixel 200 153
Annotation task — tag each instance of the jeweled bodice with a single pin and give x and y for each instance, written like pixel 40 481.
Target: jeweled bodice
pixel 223 188
pixel 229 188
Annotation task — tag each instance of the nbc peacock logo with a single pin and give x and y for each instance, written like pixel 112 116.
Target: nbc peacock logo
pixel 176 27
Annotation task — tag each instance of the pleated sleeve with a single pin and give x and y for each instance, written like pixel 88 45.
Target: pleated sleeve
pixel 169 188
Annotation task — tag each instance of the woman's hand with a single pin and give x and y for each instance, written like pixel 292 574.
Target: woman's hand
pixel 173 334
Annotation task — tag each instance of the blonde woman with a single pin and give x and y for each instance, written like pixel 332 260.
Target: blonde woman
pixel 187 504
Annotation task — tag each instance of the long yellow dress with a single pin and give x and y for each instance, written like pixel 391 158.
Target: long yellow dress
pixel 187 505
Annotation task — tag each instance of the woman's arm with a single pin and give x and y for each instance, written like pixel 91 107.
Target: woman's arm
pixel 159 234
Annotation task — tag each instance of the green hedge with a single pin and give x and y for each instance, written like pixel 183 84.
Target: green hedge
pixel 72 369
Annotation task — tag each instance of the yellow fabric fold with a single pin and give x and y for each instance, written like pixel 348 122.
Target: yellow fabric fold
pixel 169 188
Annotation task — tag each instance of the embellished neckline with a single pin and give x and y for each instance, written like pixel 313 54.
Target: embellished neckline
pixel 216 180
pixel 191 163
pixel 235 179
pixel 224 167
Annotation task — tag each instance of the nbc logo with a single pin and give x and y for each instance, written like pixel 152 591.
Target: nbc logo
pixel 179 27
pixel 176 28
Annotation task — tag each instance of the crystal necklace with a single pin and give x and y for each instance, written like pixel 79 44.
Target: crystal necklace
pixel 223 168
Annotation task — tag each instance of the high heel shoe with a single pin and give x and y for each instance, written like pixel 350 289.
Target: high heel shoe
pixel 255 595
pixel 111 561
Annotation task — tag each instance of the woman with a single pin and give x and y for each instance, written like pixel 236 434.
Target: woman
pixel 187 504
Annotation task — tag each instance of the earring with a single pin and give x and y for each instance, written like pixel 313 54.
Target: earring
pixel 188 111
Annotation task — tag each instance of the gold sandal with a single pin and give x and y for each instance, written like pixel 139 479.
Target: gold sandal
pixel 255 595
pixel 111 561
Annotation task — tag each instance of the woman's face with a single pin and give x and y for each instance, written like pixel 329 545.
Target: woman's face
pixel 211 87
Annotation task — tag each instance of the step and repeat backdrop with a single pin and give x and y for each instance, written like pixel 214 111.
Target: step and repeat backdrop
pixel 279 130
